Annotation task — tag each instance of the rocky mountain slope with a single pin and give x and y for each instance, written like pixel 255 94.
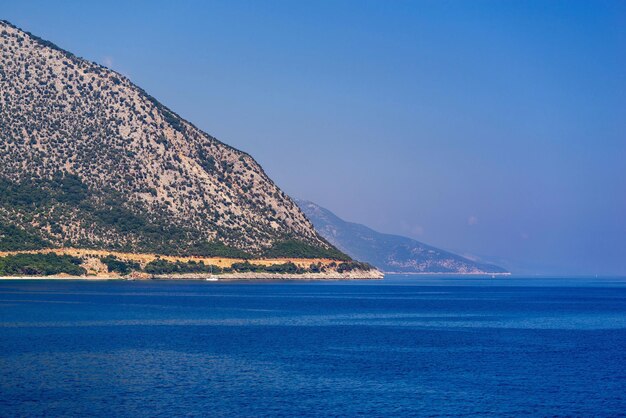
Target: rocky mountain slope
pixel 389 253
pixel 88 159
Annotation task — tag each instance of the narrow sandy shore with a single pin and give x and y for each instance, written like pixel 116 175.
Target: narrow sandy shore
pixel 84 278
pixel 333 275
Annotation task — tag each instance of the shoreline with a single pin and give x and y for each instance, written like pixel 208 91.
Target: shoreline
pixel 352 275
pixel 83 278
pixel 419 273
pixel 332 275
pixel 144 258
pixel 94 267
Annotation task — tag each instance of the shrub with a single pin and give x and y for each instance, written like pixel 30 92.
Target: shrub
pixel 216 249
pixel 245 267
pixel 286 268
pixel 14 239
pixel 299 249
pixel 353 265
pixel 316 268
pixel 115 265
pixel 160 266
pixel 40 265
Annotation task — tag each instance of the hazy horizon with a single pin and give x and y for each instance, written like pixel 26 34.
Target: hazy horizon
pixel 492 129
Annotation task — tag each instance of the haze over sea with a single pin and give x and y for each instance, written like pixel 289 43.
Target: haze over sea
pixel 401 346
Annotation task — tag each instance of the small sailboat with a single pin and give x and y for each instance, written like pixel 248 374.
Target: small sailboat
pixel 211 277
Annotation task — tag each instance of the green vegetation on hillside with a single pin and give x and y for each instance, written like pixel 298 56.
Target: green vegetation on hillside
pixel 13 238
pixel 115 265
pixel 166 267
pixel 285 268
pixel 40 265
pixel 353 265
pixel 66 196
pixel 216 249
pixel 298 249
pixel 51 263
pixel 27 193
pixel 160 266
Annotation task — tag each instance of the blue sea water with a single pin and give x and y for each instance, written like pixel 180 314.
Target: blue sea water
pixel 398 347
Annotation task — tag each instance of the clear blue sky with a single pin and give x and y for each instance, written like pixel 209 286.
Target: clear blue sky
pixel 492 128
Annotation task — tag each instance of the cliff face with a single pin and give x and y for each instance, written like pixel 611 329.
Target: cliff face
pixel 389 253
pixel 89 159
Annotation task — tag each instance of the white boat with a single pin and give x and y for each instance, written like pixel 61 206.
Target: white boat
pixel 211 278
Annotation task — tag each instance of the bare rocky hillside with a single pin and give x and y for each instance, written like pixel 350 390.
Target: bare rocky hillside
pixel 88 159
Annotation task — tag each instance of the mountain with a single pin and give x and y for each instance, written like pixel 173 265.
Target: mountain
pixel 90 160
pixel 389 253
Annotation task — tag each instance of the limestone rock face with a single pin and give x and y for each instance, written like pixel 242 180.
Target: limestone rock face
pixel 87 158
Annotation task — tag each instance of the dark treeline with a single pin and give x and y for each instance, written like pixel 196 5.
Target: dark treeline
pixel 40 265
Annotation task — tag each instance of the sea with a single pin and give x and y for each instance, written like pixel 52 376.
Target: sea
pixel 402 346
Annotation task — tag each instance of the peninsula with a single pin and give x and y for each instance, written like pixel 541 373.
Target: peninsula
pixel 99 179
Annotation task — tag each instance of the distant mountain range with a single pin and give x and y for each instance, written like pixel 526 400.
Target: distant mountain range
pixel 389 253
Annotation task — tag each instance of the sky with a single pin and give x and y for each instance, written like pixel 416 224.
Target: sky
pixel 495 129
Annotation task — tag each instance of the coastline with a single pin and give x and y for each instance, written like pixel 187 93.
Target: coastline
pixel 332 275
pixel 94 267
pixel 53 277
pixel 424 273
